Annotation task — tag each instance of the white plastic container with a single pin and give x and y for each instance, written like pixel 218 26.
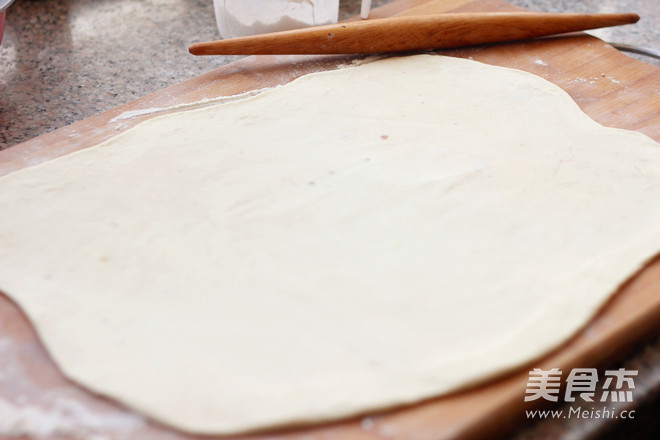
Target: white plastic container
pixel 239 18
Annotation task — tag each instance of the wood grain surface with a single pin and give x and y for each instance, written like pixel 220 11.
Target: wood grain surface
pixel 612 88
pixel 408 33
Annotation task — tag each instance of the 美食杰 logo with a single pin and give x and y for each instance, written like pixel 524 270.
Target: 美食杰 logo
pixel 581 386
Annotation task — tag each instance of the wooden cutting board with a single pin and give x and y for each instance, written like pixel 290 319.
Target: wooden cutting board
pixel 612 88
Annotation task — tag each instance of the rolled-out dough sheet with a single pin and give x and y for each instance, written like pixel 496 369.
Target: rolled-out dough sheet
pixel 353 240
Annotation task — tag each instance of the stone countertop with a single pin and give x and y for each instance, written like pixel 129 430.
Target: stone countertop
pixel 62 61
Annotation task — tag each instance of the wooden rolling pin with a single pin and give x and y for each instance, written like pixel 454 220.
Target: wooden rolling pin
pixel 414 33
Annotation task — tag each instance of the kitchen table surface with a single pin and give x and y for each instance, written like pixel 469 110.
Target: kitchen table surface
pixel 62 61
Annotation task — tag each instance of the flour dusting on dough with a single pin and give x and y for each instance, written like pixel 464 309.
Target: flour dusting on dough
pixel 189 105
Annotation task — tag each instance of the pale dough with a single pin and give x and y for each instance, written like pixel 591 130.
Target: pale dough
pixel 354 240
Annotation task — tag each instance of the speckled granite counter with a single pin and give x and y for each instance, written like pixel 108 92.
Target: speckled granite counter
pixel 64 60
